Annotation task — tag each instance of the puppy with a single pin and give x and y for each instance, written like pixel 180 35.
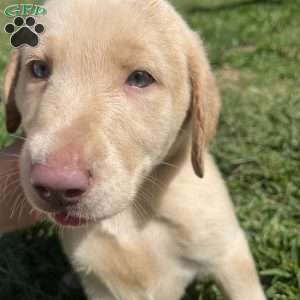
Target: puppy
pixel 113 100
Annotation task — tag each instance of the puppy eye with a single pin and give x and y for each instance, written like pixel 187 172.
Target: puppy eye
pixel 40 69
pixel 140 79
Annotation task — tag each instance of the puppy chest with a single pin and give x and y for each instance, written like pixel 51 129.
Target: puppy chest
pixel 119 265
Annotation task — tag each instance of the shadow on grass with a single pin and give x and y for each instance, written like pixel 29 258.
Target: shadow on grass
pixel 32 267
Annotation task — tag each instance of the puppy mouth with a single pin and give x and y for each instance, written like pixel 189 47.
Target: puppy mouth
pixel 65 219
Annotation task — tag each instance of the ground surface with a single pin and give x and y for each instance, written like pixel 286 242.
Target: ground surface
pixel 254 49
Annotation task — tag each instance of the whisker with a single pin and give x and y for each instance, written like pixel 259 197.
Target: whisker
pixel 169 165
pixel 13 182
pixel 140 210
pixel 18 136
pixel 146 195
pixel 10 155
pixel 9 171
pixel 7 177
pixel 7 186
pixel 23 202
pixel 4 189
pixel 19 205
pixel 14 206
pixel 17 191
pixel 152 181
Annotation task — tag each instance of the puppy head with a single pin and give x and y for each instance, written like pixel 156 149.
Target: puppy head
pixel 102 101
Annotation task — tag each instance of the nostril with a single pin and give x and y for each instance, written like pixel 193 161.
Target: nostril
pixel 73 193
pixel 59 186
pixel 42 191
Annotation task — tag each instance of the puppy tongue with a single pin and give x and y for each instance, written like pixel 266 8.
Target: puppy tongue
pixel 66 220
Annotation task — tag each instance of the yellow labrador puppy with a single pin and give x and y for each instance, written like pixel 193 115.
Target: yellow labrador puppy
pixel 113 100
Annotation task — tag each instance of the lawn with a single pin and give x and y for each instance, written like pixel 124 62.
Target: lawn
pixel 255 51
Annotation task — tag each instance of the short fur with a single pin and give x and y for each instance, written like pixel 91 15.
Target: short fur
pixel 155 225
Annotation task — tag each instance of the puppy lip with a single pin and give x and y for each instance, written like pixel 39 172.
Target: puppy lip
pixel 63 218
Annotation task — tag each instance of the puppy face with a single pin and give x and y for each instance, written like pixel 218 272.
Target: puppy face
pixel 102 99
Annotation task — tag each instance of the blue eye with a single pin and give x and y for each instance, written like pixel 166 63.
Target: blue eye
pixel 40 69
pixel 140 79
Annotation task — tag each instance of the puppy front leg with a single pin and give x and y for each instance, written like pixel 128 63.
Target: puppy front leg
pixel 236 274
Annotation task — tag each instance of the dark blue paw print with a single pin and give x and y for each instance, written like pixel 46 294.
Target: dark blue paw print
pixel 26 34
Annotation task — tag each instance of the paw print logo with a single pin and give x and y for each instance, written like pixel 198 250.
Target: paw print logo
pixel 24 32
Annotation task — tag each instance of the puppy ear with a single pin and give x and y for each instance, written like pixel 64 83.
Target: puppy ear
pixel 12 115
pixel 205 102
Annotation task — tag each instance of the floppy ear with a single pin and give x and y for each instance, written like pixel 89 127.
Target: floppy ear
pixel 12 115
pixel 205 102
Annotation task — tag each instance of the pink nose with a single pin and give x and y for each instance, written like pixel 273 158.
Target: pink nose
pixel 60 182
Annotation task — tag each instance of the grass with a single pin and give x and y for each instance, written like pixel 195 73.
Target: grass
pixel 254 50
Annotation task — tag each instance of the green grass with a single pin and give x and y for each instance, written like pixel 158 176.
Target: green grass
pixel 255 52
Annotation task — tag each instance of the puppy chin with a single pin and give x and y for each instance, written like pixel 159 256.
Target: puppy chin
pixel 85 215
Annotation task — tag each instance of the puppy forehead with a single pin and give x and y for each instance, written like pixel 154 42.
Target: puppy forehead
pixel 101 21
pixel 89 26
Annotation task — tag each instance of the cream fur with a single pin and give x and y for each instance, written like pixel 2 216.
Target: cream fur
pixel 155 225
